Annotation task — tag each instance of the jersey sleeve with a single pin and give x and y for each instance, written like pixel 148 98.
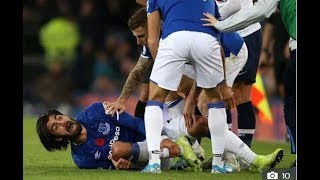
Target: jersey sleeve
pixel 245 17
pixel 146 54
pixel 152 6
pixel 228 8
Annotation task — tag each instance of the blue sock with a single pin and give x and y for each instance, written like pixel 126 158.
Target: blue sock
pixel 229 118
pixel 135 152
pixel 246 122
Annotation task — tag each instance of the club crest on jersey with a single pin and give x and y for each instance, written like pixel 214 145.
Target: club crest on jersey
pixel 104 128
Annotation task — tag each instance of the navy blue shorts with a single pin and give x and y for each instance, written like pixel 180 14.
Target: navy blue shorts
pixel 249 72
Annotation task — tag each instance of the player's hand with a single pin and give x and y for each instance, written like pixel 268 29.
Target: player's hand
pixel 121 163
pixel 210 19
pixel 116 106
pixel 180 93
pixel 188 113
pixel 227 96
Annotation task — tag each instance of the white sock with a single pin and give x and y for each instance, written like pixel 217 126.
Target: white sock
pixel 229 126
pixel 217 122
pixel 217 160
pixel 164 153
pixel 235 145
pixel 181 150
pixel 153 124
pixel 195 145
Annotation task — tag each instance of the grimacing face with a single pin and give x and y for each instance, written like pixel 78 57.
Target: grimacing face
pixel 63 126
pixel 141 34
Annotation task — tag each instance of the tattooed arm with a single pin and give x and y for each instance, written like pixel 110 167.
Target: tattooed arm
pixel 131 84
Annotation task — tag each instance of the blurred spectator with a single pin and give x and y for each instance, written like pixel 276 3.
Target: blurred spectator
pixel 104 66
pixel 31 26
pixel 59 38
pixel 275 50
pixel 53 89
pixel 90 21
pixel 126 66
pixel 82 71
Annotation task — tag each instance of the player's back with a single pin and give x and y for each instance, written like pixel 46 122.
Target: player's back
pixel 179 15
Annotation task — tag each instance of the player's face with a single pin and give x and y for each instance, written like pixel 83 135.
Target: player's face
pixel 63 126
pixel 141 34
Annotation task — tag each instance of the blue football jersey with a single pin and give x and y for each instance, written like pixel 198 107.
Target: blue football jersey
pixel 102 131
pixel 231 43
pixel 146 52
pixel 179 15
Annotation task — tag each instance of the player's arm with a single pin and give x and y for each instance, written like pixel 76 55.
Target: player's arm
pixel 189 107
pixel 228 8
pixel 134 78
pixel 154 23
pixel 243 18
pixel 141 2
pixel 131 85
pixel 121 163
pixel 225 90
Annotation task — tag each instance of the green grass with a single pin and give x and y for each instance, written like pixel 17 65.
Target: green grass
pixel 40 164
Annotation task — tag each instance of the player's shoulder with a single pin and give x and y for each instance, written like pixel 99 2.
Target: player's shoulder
pixel 95 106
pixel 92 111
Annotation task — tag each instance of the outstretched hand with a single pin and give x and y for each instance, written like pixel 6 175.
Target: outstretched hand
pixel 116 106
pixel 211 20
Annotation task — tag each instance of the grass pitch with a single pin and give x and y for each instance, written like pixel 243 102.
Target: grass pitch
pixel 43 165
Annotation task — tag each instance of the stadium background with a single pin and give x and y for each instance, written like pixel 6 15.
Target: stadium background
pixel 78 52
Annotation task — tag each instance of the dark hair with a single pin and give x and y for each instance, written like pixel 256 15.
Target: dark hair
pixel 138 19
pixel 47 139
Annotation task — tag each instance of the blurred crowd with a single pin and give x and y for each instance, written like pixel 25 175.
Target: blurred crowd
pixel 72 48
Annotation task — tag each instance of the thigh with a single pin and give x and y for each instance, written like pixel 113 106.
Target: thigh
pixel 248 74
pixel 207 61
pixel 170 60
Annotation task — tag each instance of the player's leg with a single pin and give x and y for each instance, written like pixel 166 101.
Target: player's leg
pixel 144 93
pixel 209 73
pixel 154 124
pixel 243 86
pixel 166 75
pixel 142 102
pixel 290 101
pixel 240 149
pixel 175 101
pixel 138 153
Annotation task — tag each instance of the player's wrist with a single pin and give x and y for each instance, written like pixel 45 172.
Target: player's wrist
pixel 122 100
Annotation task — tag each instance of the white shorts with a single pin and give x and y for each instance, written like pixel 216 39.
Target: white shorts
pixel 234 64
pixel 188 71
pixel 200 49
